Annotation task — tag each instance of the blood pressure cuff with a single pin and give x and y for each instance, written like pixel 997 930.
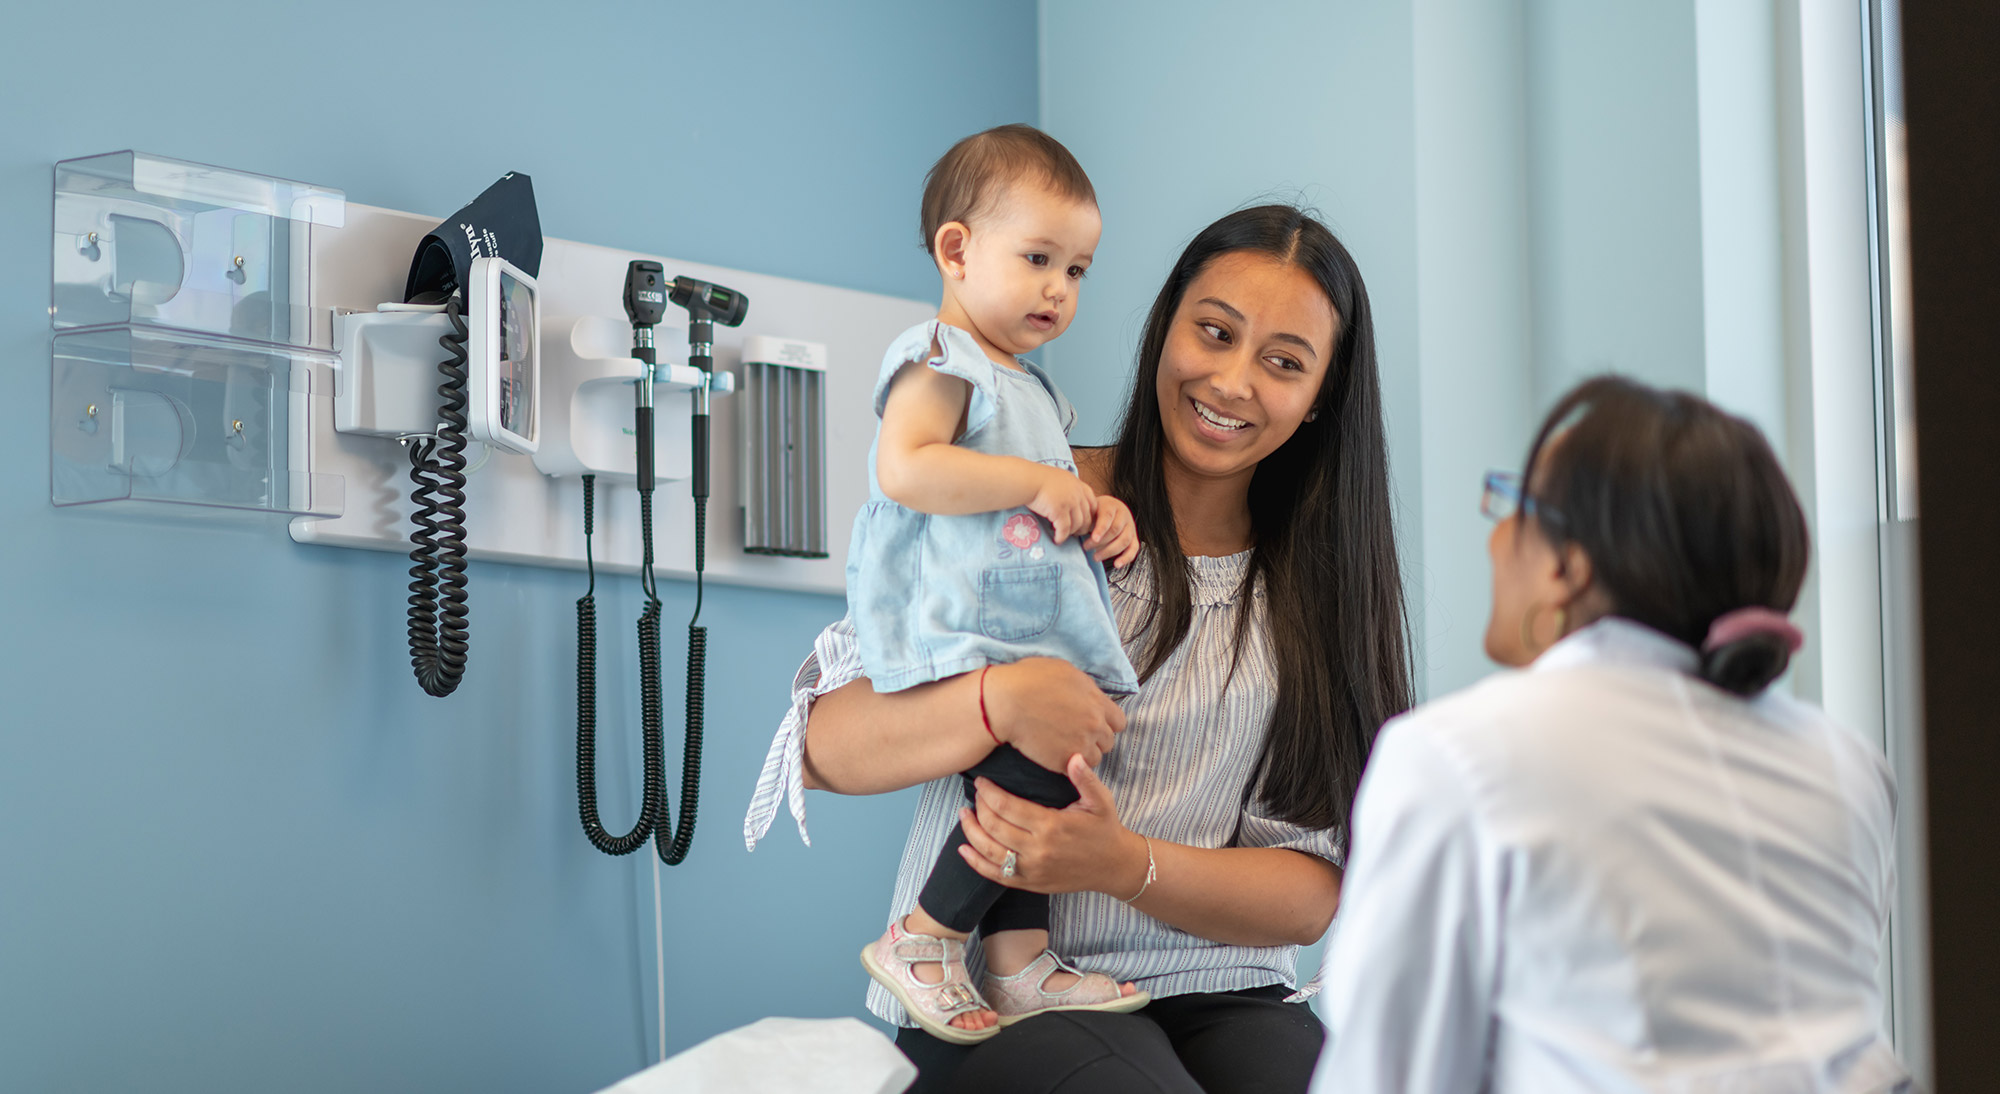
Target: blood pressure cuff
pixel 500 223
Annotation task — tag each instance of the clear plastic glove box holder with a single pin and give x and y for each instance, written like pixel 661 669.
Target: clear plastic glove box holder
pixel 147 239
pixel 142 413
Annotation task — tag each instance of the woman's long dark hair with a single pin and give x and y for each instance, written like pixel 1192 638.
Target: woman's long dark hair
pixel 1684 513
pixel 1325 542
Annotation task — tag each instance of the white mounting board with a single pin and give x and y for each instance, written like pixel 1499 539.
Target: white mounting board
pixel 514 513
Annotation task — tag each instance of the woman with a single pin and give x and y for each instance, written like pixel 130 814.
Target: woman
pixel 1270 642
pixel 1632 867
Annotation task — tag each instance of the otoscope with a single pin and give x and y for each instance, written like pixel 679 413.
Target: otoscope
pixel 647 293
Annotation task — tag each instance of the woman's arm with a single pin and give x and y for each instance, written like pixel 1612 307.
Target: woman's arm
pixel 860 741
pixel 1245 896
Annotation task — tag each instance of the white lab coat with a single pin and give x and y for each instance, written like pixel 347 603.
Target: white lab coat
pixel 1601 874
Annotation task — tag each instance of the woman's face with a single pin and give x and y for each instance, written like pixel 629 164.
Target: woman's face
pixel 1525 580
pixel 1249 348
pixel 1532 579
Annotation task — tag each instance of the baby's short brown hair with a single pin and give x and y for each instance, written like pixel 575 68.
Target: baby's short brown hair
pixel 964 183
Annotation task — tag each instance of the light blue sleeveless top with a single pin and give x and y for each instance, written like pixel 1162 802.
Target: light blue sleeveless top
pixel 936 596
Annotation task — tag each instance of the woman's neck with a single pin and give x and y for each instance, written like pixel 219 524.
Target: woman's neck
pixel 1212 515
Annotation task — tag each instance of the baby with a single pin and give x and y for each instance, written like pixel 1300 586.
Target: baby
pixel 971 551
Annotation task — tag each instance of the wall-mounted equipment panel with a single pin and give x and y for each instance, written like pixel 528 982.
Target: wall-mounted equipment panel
pixel 528 509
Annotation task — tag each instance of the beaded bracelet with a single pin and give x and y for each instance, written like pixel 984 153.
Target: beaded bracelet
pixel 1152 872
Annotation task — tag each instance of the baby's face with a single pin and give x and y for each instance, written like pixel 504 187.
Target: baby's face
pixel 1024 263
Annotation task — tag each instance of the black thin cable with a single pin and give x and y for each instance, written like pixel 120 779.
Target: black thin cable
pixel 652 775
pixel 438 638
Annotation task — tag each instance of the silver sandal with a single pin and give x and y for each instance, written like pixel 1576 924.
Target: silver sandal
pixel 889 959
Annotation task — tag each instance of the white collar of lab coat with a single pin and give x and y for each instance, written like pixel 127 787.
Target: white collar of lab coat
pixel 1618 641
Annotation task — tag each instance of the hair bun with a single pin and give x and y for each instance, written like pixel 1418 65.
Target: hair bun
pixel 1747 665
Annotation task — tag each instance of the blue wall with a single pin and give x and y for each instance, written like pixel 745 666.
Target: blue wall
pixel 242 850
pixel 1189 114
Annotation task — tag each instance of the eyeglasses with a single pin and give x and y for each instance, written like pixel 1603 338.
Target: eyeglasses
pixel 1503 497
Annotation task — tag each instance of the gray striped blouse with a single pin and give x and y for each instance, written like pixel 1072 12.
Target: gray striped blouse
pixel 1181 771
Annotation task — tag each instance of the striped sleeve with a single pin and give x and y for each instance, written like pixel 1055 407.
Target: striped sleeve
pixel 1257 830
pixel 834 662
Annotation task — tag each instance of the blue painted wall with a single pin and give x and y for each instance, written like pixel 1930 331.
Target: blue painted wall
pixel 1196 111
pixel 242 850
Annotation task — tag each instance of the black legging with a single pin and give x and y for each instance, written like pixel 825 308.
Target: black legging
pixel 1238 1042
pixel 960 897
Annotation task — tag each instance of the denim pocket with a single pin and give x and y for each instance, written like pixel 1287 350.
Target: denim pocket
pixel 1019 603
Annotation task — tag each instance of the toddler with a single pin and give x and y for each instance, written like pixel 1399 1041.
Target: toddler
pixel 971 550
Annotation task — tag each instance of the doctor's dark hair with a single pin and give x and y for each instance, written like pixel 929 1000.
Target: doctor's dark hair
pixel 1684 513
pixel 966 182
pixel 1325 542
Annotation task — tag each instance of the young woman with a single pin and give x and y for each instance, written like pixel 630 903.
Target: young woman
pixel 1265 617
pixel 1631 867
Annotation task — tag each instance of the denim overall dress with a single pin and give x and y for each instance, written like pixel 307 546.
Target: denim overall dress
pixel 936 596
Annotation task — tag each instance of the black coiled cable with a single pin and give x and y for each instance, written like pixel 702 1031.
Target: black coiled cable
pixel 438 634
pixel 652 777
pixel 655 812
pixel 696 686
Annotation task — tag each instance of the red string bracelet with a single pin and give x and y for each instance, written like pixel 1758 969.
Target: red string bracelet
pixel 983 719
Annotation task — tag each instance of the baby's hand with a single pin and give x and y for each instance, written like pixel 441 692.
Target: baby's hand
pixel 1115 538
pixel 1064 501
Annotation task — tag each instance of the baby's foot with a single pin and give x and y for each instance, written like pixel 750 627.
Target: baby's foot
pixel 932 972
pixel 1047 984
pixel 927 975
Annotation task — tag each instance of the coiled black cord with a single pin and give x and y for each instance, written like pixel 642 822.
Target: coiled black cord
pixel 652 776
pixel 438 639
pixel 655 811
pixel 673 851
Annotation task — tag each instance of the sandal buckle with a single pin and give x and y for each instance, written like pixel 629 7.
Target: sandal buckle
pixel 956 997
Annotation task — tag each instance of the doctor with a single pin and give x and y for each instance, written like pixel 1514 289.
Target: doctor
pixel 1630 867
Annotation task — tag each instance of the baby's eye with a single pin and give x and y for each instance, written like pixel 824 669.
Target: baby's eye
pixel 1037 259
pixel 1077 272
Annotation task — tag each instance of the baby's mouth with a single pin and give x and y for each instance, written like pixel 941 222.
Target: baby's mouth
pixel 1042 320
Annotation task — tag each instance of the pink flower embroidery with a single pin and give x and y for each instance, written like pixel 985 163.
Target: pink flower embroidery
pixel 1021 530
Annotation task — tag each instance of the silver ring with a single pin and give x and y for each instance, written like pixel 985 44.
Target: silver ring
pixel 1007 864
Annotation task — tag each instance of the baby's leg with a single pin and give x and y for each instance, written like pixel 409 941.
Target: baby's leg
pixel 1015 929
pixel 1015 932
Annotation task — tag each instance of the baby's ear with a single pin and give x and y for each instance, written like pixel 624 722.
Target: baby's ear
pixel 948 247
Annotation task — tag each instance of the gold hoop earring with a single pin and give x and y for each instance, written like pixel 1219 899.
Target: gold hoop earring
pixel 1528 628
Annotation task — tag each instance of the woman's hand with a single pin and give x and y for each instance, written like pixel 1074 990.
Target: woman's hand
pixel 1078 848
pixel 1049 710
pixel 1115 537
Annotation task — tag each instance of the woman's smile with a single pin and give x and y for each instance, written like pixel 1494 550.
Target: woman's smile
pixel 1216 424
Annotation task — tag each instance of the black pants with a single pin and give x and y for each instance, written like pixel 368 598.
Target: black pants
pixel 1239 1042
pixel 956 895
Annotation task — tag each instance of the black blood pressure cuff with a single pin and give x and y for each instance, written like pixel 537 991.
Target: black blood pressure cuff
pixel 500 223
